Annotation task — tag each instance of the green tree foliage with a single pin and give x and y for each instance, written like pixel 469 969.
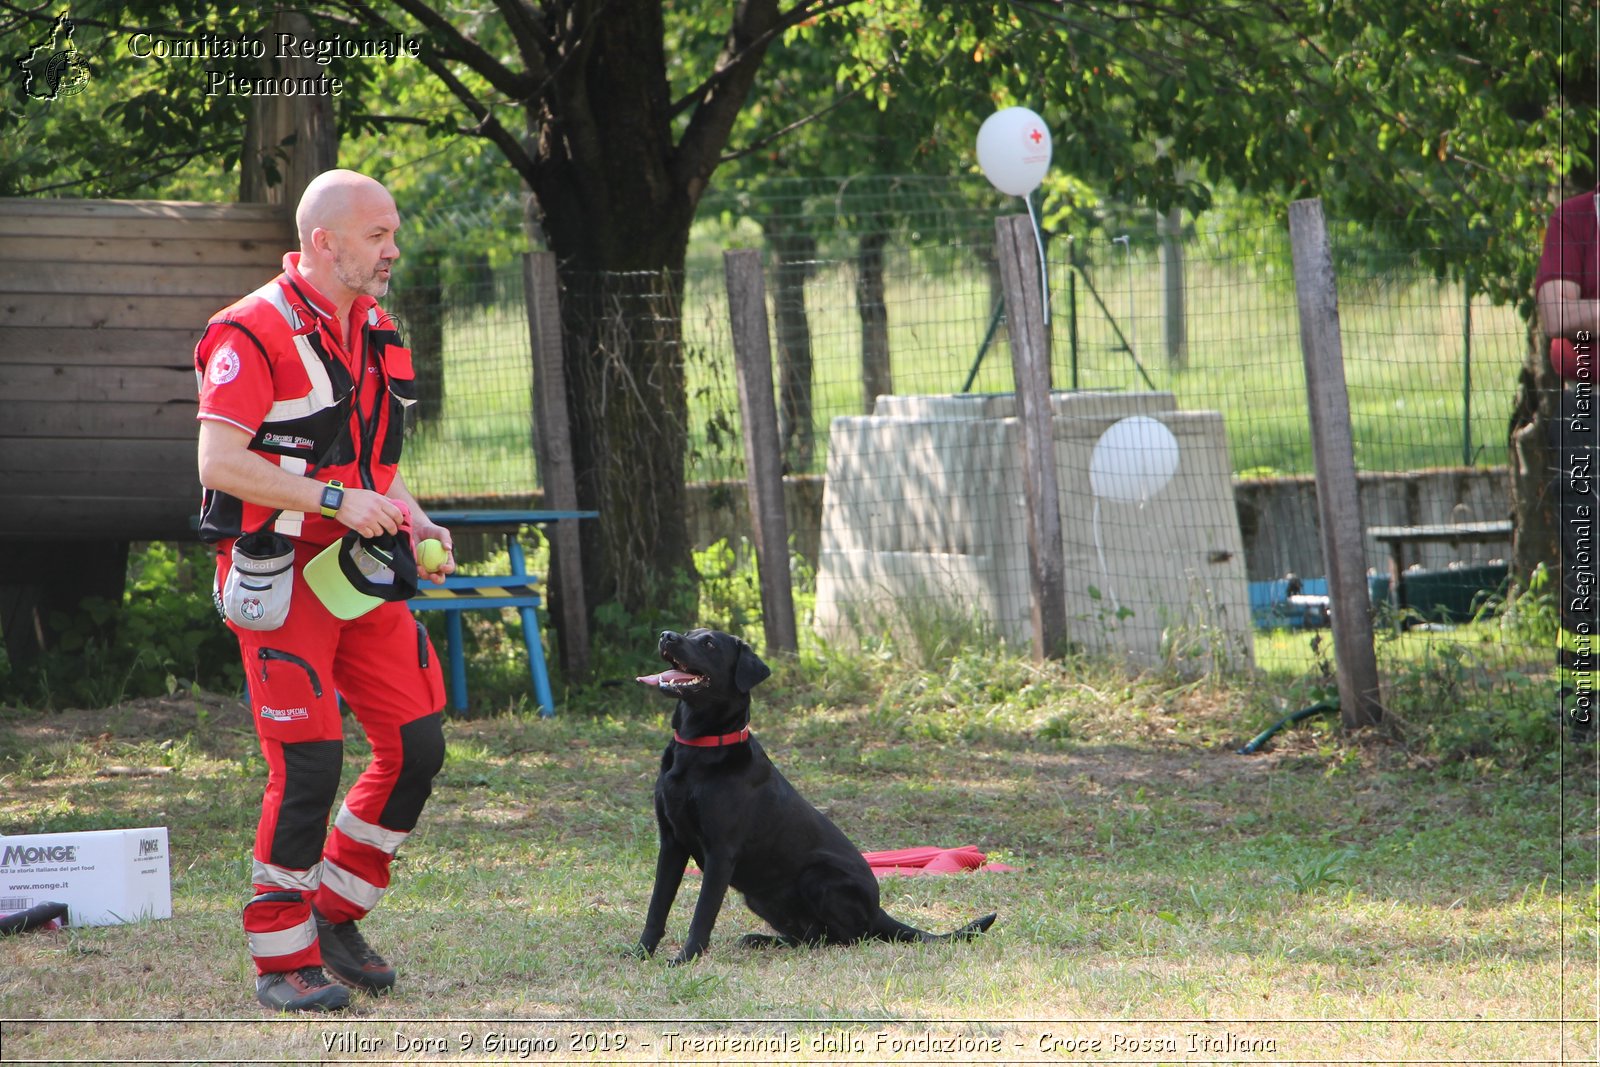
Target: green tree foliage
pixel 146 121
pixel 1448 122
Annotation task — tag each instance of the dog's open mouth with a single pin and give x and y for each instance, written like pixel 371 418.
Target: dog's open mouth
pixel 676 680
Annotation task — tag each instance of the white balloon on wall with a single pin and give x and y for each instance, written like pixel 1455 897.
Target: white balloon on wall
pixel 1133 460
pixel 1014 150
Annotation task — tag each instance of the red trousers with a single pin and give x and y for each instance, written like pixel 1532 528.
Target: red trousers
pixel 383 665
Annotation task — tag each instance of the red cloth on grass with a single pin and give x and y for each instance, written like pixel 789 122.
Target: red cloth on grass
pixel 930 860
pixel 925 860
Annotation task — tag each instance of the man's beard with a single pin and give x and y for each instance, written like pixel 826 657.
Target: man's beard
pixel 354 280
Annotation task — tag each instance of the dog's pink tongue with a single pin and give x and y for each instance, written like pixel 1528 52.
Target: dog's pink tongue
pixel 667 678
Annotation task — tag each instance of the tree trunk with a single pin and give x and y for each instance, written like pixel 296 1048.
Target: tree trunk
pixel 618 224
pixel 617 168
pixel 876 379
pixel 629 416
pixel 796 255
pixel 288 140
pixel 621 317
pixel 1532 465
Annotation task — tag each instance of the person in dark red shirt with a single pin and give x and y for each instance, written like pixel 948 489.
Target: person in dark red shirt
pixel 1567 292
pixel 1567 285
pixel 303 390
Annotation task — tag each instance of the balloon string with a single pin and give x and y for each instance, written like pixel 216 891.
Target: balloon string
pixel 1044 271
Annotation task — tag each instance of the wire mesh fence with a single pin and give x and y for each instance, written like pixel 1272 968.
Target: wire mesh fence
pixel 893 370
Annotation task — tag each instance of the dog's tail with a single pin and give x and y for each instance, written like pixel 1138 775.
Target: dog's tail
pixel 888 928
pixel 971 930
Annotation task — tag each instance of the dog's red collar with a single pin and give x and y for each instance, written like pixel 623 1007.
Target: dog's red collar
pixel 737 738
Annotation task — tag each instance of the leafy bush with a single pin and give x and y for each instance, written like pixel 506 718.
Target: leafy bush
pixel 164 636
pixel 1461 705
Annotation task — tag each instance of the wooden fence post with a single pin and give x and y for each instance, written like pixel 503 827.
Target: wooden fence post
pixel 1174 316
pixel 553 441
pixel 763 451
pixel 1018 257
pixel 1338 498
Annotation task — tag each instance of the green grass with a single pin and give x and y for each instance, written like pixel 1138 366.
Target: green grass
pixel 1330 895
pixel 482 444
pixel 1404 356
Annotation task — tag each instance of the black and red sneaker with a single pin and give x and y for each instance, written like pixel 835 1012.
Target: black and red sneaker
pixel 307 989
pixel 348 957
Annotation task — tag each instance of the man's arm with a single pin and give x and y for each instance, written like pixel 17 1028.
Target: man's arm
pixel 227 465
pixel 1562 312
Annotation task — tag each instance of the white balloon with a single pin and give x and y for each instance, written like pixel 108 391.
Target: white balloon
pixel 1014 150
pixel 1133 460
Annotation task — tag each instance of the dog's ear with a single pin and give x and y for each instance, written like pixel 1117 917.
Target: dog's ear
pixel 748 670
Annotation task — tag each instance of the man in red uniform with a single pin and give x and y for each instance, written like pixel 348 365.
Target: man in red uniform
pixel 1567 290
pixel 303 389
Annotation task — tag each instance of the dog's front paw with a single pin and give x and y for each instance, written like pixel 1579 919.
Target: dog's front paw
pixel 638 951
pixel 759 941
pixel 688 954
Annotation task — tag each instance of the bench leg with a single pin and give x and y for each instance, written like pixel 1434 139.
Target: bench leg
pixel 458 660
pixel 536 665
pixel 530 636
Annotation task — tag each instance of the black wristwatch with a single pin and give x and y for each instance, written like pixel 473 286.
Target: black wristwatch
pixel 332 497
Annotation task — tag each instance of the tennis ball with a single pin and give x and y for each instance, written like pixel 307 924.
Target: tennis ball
pixel 431 554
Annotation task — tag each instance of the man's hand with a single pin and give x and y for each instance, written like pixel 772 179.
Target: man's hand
pixel 423 528
pixel 369 514
pixel 421 533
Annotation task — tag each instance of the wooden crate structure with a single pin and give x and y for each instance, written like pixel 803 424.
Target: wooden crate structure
pixel 101 303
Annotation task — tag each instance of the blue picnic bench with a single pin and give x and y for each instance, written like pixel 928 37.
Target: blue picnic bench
pixel 477 592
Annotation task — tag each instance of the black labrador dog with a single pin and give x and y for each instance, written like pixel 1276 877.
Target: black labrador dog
pixel 720 801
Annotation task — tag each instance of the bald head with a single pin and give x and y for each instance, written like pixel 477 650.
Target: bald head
pixel 333 197
pixel 347 223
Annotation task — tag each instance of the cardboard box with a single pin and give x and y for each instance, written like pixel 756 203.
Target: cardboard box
pixel 104 877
